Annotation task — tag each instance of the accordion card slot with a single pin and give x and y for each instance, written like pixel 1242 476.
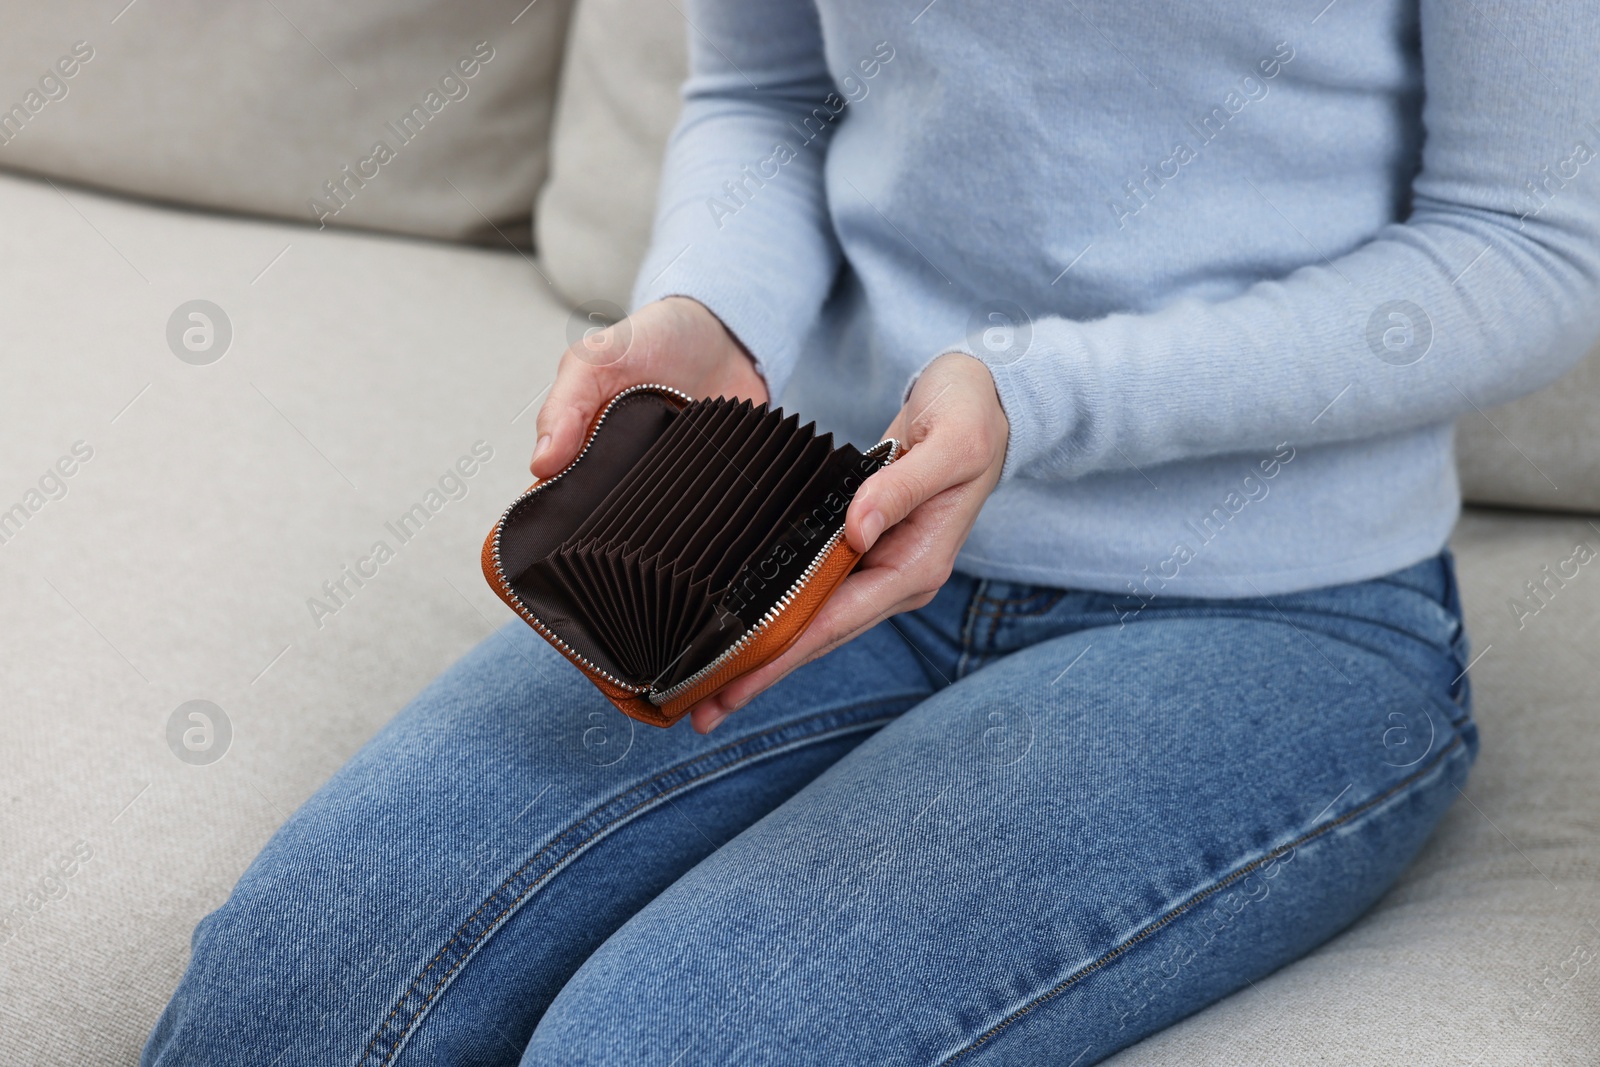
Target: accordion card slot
pixel 688 543
pixel 748 473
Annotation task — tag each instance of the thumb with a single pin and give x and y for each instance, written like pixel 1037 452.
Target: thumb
pixel 575 397
pixel 893 492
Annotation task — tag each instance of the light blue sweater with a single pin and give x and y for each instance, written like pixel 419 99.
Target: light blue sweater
pixel 1236 266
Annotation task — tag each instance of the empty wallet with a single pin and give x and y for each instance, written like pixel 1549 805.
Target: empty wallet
pixel 691 542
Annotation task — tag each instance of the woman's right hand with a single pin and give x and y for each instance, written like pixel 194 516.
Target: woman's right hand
pixel 676 342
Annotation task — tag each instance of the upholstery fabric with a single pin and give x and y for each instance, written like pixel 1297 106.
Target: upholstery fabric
pixel 180 562
pixel 253 107
pixel 617 105
pixel 184 558
pixel 1537 452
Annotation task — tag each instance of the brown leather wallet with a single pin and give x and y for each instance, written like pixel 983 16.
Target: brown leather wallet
pixel 691 541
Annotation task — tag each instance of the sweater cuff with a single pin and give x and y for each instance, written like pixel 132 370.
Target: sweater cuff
pixel 1036 426
pixel 774 347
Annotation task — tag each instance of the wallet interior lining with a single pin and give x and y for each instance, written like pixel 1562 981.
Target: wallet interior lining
pixel 677 531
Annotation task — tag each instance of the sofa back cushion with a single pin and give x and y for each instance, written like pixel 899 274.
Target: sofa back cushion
pixel 1542 451
pixel 618 103
pixel 427 117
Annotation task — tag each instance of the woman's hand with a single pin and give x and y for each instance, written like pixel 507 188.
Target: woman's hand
pixel 676 342
pixel 910 518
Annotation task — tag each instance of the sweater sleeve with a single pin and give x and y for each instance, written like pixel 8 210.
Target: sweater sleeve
pixel 1489 290
pixel 741 219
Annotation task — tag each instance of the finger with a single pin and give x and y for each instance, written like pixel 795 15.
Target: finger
pixel 813 643
pixel 575 397
pixel 896 575
pixel 935 464
pixel 864 599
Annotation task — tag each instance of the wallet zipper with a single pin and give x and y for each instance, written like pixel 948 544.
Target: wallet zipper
pixel 499 568
pixel 772 613
pixel 890 444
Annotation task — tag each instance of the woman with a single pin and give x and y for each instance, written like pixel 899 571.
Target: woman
pixel 1152 678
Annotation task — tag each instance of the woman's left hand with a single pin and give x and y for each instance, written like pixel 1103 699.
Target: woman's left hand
pixel 909 519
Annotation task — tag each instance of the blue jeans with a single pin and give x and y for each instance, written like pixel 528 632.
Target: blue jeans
pixel 1020 824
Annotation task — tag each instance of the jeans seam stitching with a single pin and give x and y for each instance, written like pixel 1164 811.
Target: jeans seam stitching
pixel 1055 597
pixel 969 621
pixel 1121 949
pixel 650 800
pixel 1361 646
pixel 1001 601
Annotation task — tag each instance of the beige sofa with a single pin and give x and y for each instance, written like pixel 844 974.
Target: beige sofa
pixel 187 485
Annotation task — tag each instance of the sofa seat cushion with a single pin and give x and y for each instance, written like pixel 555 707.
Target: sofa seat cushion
pixel 178 561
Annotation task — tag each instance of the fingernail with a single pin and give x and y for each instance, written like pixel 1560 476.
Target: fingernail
pixel 871 527
pixel 541 447
pixel 718 720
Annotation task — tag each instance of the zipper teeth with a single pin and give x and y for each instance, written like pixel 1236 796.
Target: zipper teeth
pixel 499 529
pixel 751 634
pixel 773 612
pixel 890 444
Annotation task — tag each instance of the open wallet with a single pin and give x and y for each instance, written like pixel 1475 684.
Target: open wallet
pixel 691 542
